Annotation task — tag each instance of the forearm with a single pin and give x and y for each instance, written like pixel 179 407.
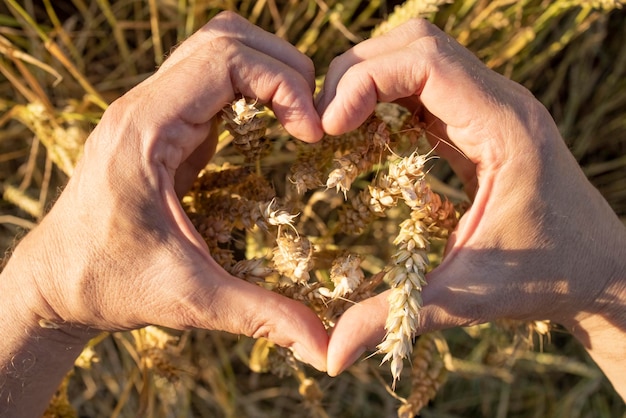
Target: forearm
pixel 603 333
pixel 605 341
pixel 601 327
pixel 35 353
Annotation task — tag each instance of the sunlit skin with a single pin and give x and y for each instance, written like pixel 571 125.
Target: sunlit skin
pixel 116 251
pixel 539 242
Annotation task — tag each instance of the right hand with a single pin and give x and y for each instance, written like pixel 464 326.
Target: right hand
pixel 538 242
pixel 117 252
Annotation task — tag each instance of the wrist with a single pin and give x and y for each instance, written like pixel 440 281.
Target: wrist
pixel 599 323
pixel 603 313
pixel 602 266
pixel 603 335
pixel 36 349
pixel 28 283
pixel 588 261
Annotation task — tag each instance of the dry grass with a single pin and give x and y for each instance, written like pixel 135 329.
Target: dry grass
pixel 62 62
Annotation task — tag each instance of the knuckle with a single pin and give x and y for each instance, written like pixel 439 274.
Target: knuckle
pixel 340 62
pixel 421 27
pixel 428 45
pixel 225 43
pixel 256 328
pixel 227 19
pixel 419 23
pixel 226 47
pixel 228 23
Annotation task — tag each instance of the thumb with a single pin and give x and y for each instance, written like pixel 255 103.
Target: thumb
pixel 362 327
pixel 204 295
pixel 257 312
pixel 233 305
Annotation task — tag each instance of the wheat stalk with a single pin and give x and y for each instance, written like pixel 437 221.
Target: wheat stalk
pixel 223 202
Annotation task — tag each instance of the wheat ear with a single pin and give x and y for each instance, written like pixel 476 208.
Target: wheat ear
pixel 247 129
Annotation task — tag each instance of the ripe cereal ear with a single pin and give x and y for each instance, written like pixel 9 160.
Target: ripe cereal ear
pixel 248 129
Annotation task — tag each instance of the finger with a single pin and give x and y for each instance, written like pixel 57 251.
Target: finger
pixel 288 323
pixel 231 25
pixel 360 328
pixel 235 306
pixel 384 51
pixel 206 296
pixel 465 169
pixel 398 40
pixel 382 45
pixel 188 170
pixel 229 57
pixel 445 305
pixel 451 83
pixel 391 76
pixel 194 90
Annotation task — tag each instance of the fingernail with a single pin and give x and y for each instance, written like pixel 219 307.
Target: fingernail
pixel 346 363
pixel 301 353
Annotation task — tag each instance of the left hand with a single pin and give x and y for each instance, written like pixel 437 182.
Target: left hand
pixel 526 248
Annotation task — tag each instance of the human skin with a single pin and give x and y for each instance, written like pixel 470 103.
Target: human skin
pixel 539 241
pixel 116 252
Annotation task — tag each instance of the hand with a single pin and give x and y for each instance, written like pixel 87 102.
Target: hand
pixel 539 242
pixel 117 251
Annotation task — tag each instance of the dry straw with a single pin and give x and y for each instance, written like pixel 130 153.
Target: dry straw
pixel 293 258
pixel 62 63
pixel 428 374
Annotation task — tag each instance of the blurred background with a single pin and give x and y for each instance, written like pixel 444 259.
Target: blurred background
pixel 63 62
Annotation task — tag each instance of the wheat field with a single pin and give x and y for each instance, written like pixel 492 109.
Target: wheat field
pixel 62 63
